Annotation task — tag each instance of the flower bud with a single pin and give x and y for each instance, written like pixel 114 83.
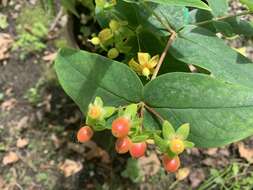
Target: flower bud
pixel 114 25
pixel 95 41
pixel 105 34
pixel 113 53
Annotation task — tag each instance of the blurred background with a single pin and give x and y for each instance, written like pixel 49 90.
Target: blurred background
pixel 38 121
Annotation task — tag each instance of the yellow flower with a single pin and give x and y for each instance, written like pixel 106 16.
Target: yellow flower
pixel 146 65
pixel 113 53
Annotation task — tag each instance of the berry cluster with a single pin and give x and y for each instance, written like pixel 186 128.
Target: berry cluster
pixel 126 124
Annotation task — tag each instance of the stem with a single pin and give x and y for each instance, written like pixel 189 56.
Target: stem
pixel 142 113
pixel 138 40
pixel 142 104
pixel 173 184
pixel 169 43
pixel 56 20
pixel 155 113
pixel 223 18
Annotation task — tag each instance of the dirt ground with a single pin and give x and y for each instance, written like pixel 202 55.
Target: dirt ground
pixel 38 122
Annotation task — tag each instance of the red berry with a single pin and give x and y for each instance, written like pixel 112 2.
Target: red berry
pixel 177 146
pixel 84 134
pixel 138 149
pixel 171 164
pixel 120 127
pixel 122 145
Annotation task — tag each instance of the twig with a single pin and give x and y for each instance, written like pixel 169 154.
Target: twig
pixel 56 20
pixel 223 18
pixel 151 110
pixel 142 104
pixel 169 43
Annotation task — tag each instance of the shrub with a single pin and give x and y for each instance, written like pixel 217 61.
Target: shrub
pixel 151 84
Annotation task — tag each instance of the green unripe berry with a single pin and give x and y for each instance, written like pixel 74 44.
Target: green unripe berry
pixel 113 53
pixel 114 25
pixel 95 41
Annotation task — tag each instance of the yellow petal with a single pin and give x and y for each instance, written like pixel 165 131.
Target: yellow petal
pixel 146 72
pixel 143 58
pixel 153 61
pixel 135 66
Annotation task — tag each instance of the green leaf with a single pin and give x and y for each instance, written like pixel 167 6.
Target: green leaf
pixel 188 144
pixel 225 28
pixel 137 16
pixel 189 3
pixel 109 111
pixel 248 3
pixel 168 130
pixel 219 7
pixel 199 15
pixel 139 138
pixel 97 125
pixel 162 144
pixel 170 64
pixel 176 16
pixel 150 122
pixel 70 5
pixel 98 102
pixel 241 27
pixel 184 130
pixel 85 75
pixel 136 122
pixel 191 47
pixel 131 110
pixel 219 112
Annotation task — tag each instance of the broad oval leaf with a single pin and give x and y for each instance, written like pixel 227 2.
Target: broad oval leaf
pixel 219 113
pixel 189 3
pixel 219 7
pixel 198 46
pixel 85 75
pixel 136 16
